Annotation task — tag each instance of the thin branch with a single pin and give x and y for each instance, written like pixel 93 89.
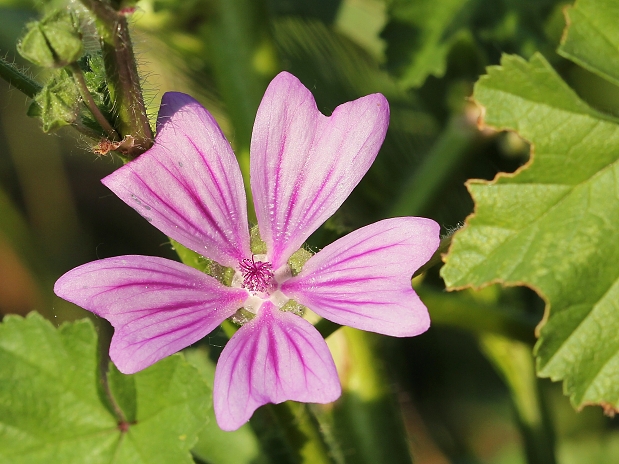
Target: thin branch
pixel 78 76
pixel 19 80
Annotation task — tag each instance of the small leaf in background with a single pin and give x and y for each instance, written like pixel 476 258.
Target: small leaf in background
pixel 421 34
pixel 53 408
pixel 53 42
pixel 592 37
pixel 553 225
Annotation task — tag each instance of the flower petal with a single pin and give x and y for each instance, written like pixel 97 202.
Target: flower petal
pixel 275 357
pixel 189 184
pixel 363 280
pixel 304 164
pixel 157 306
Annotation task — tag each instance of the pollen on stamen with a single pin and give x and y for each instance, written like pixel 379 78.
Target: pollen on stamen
pixel 257 275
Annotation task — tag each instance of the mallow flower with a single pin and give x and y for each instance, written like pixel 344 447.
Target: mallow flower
pixel 189 185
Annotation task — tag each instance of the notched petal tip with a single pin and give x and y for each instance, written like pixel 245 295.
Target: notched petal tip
pixel 363 280
pixel 156 306
pixel 295 194
pixel 189 184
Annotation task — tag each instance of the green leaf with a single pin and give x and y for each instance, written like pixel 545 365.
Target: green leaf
pixel 420 35
pixel 553 225
pixel 171 403
pixel 53 408
pixel 592 37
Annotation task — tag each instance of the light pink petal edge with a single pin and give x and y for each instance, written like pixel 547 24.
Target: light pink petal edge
pixel 189 184
pixel 273 358
pixel 363 280
pixel 157 306
pixel 304 164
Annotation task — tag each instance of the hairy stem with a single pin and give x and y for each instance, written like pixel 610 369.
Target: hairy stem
pixel 444 158
pixel 122 75
pixel 19 80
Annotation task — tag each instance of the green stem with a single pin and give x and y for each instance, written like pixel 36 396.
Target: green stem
pixel 122 75
pixel 514 362
pixel 19 80
pixel 78 76
pixel 367 422
pixel 289 433
pixel 444 158
pixel 244 60
pixel 121 418
pixel 447 309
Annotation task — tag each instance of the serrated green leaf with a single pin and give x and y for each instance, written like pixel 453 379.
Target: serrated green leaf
pixel 592 37
pixel 53 409
pixel 171 407
pixel 553 225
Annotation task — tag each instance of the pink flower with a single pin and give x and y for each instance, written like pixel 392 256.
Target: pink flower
pixel 189 186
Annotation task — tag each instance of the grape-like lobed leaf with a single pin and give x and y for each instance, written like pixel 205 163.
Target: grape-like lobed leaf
pixel 53 408
pixel 553 225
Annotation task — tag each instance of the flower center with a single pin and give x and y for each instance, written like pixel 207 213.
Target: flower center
pixel 258 276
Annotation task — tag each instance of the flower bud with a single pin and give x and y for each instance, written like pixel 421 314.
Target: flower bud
pixel 57 104
pixel 53 42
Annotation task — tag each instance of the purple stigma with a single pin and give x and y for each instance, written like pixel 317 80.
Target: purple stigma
pixel 257 275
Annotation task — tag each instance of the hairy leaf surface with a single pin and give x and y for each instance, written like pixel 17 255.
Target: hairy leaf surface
pixel 53 408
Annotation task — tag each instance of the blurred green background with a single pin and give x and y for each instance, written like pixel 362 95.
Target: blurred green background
pixel 424 56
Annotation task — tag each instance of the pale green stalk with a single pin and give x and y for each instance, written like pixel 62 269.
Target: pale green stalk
pixel 514 362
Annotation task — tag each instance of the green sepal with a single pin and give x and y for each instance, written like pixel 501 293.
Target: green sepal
pixel 53 42
pixel 58 102
pixel 298 260
pixel 208 266
pixel 34 110
pixel 256 244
